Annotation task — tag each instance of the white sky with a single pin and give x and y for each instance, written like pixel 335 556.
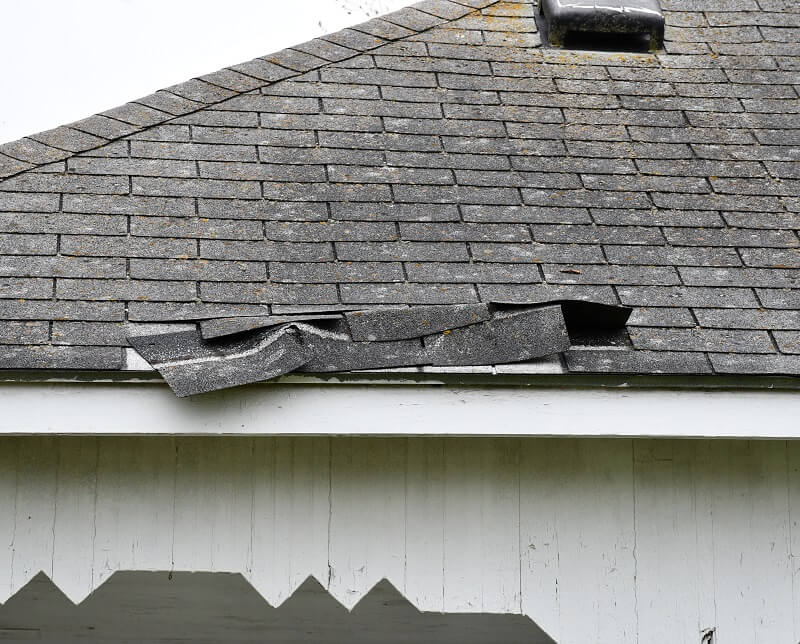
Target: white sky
pixel 63 60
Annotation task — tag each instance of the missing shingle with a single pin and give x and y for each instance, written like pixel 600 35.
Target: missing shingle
pixel 596 325
pixel 589 324
pixel 634 26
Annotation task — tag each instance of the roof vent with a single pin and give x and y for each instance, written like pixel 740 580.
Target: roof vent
pixel 621 25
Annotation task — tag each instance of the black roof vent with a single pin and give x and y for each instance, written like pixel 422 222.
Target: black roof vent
pixel 612 24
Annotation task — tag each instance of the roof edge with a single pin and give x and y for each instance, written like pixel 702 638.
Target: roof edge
pixel 58 144
pixel 466 378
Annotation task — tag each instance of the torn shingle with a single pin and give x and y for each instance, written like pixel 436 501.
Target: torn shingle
pixel 412 322
pixel 510 336
pixel 228 352
pixel 219 327
pixel 336 351
pixel 182 346
pixel 267 356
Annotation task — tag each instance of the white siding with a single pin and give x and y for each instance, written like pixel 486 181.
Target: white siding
pixel 597 540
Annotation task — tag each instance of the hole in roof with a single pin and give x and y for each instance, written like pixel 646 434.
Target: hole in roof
pixel 585 337
pixel 590 325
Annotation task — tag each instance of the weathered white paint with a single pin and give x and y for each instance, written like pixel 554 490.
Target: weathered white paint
pixel 794 529
pixel 424 525
pixel 398 409
pixel 296 528
pixel 73 546
pixel 35 503
pixel 596 540
pixel 9 460
pixel 578 538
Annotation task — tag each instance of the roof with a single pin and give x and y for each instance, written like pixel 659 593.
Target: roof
pixel 438 155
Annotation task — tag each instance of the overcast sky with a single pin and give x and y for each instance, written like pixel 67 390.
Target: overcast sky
pixel 64 60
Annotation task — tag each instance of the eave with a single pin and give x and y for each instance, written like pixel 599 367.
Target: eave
pixel 474 402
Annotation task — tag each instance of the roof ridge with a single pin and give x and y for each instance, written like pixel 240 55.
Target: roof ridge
pixel 199 93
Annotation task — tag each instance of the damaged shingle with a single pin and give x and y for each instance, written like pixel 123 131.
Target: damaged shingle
pixel 226 352
pixel 412 322
pixel 260 357
pixel 335 350
pixel 219 327
pixel 510 336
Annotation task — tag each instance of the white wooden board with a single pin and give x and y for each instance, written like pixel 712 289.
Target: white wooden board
pixel 398 409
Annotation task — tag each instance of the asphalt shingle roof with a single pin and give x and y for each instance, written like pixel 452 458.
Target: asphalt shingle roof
pixel 437 155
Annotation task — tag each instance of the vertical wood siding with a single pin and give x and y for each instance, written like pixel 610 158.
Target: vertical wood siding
pixel 596 540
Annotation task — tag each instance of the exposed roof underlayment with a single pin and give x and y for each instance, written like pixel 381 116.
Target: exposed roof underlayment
pixel 437 156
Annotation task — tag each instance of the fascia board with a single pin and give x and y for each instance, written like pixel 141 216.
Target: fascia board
pixel 410 409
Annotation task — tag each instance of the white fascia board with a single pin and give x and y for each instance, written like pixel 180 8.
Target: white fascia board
pixel 410 409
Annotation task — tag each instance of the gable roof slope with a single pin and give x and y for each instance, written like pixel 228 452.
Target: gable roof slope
pixel 436 155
